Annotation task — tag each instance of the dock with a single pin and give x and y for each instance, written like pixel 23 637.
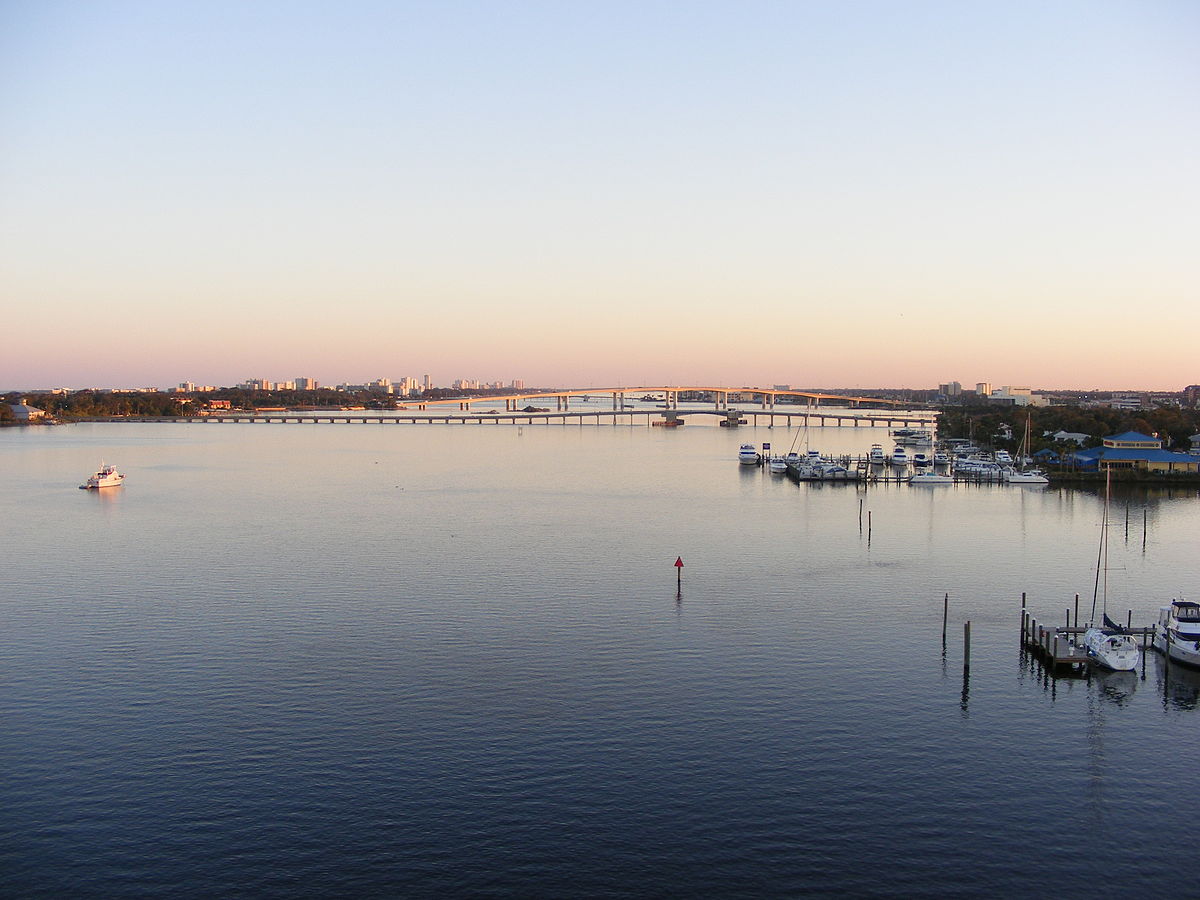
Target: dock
pixel 1055 649
pixel 1055 645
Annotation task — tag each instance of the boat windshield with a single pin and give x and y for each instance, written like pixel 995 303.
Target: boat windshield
pixel 1186 611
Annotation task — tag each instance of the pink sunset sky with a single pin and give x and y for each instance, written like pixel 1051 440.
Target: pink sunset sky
pixel 825 195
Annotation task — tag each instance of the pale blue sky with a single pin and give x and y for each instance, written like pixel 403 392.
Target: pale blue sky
pixel 823 194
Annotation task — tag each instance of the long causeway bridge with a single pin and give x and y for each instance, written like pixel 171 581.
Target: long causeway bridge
pixel 732 406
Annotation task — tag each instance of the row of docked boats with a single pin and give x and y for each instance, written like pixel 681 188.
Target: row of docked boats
pixel 929 469
pixel 1000 467
pixel 810 466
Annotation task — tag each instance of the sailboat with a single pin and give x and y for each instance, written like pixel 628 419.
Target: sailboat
pixel 1023 475
pixel 1108 645
pixel 929 475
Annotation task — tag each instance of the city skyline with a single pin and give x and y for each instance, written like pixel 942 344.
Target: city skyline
pixel 409 385
pixel 856 196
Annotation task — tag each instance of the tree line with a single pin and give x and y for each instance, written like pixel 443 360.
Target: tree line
pixel 982 424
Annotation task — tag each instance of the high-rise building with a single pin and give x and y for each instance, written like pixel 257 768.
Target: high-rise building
pixel 428 383
pixel 306 384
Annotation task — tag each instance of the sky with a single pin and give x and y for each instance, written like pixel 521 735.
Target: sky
pixel 850 194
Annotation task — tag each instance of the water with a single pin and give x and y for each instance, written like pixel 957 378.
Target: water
pixel 431 660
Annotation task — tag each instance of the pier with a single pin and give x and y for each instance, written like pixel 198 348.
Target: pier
pixel 1055 645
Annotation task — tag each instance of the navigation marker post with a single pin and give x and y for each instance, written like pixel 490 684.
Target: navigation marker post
pixel 679 573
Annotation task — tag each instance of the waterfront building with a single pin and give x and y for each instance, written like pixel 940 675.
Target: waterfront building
pixel 23 412
pixel 1134 450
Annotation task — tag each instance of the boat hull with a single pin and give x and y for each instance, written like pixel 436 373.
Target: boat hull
pixel 1177 632
pixel 1117 652
pixel 101 485
pixel 1187 654
pixel 930 478
pixel 1025 478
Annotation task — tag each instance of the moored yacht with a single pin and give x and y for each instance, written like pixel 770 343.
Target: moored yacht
pixel 930 477
pixel 747 455
pixel 1025 476
pixel 912 435
pixel 899 457
pixel 1177 632
pixel 876 455
pixel 107 476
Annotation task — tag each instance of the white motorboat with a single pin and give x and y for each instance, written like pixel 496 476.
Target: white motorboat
pixel 973 466
pixel 107 476
pixel 1004 458
pixel 921 460
pixel 1177 632
pixel 777 465
pixel 941 459
pixel 912 436
pixel 1025 476
pixel 831 471
pixel 747 455
pixel 876 455
pixel 929 477
pixel 899 457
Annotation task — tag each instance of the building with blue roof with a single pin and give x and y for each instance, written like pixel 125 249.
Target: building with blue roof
pixel 1134 450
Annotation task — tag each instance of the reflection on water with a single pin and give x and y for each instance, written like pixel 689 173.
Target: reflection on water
pixel 458 661
pixel 1178 685
pixel 1115 687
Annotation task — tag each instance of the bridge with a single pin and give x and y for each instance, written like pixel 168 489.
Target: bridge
pixel 720 397
pixel 596 416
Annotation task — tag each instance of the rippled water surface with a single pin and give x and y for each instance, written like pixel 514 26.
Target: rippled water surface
pixel 440 660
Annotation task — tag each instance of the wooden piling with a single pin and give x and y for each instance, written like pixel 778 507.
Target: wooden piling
pixel 945 613
pixel 967 644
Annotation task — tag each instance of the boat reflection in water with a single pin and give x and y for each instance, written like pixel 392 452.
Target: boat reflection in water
pixel 1178 685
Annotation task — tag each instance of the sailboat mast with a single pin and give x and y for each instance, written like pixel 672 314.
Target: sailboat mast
pixel 1102 552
